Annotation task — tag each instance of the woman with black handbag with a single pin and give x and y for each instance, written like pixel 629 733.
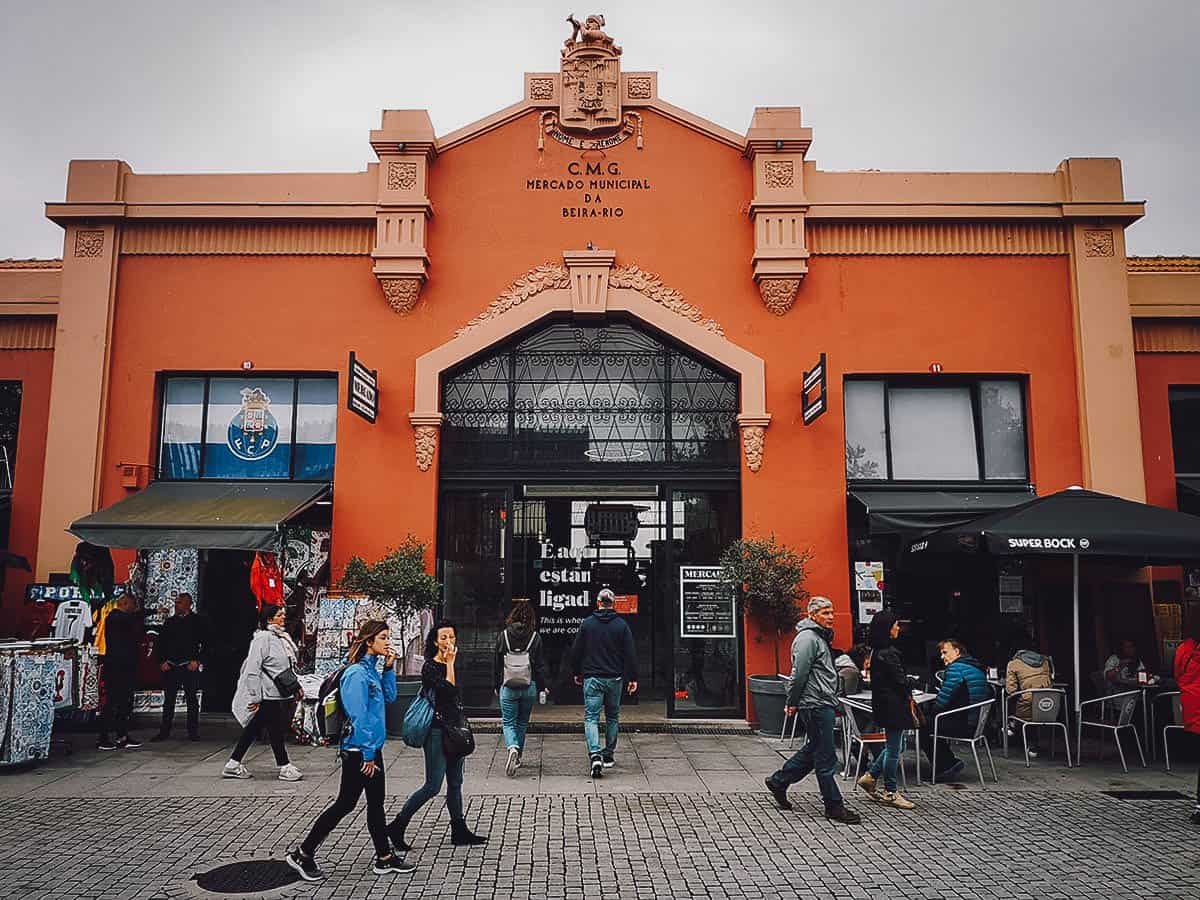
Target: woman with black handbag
pixel 266 688
pixel 449 742
pixel 891 707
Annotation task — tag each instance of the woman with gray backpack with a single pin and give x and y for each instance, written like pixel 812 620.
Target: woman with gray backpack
pixel 520 676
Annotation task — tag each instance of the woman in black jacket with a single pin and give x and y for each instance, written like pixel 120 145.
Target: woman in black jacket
pixel 890 708
pixel 439 681
pixel 524 683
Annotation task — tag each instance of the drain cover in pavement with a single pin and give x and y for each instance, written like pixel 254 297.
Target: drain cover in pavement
pixel 247 877
pixel 1145 795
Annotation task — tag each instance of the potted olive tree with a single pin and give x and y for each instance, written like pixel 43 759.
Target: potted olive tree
pixel 769 576
pixel 399 584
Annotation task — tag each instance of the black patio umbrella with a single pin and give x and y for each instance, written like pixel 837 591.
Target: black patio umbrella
pixel 1073 523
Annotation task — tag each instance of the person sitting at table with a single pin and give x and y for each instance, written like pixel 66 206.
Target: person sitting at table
pixel 965 683
pixel 1027 669
pixel 849 666
pixel 1120 669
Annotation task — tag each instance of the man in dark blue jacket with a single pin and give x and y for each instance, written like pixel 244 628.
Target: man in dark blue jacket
pixel 965 683
pixel 602 656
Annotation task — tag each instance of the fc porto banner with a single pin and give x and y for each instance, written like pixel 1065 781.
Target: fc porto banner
pixel 251 427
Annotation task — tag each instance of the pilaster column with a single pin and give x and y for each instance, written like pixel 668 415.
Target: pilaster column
pixel 775 145
pixel 79 387
pixel 1106 377
pixel 405 147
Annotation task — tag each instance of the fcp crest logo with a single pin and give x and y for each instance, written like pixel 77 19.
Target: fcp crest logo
pixel 253 431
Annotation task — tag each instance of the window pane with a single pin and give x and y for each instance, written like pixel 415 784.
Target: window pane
pixel 1185 428
pixel 1003 429
pixel 10 417
pixel 316 428
pixel 866 446
pixel 183 411
pixel 933 433
pixel 249 428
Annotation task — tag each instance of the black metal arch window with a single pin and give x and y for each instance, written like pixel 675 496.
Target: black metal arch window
pixel 585 397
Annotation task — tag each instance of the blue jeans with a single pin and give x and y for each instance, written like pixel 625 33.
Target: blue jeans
pixel 516 706
pixel 887 761
pixel 601 693
pixel 817 754
pixel 437 770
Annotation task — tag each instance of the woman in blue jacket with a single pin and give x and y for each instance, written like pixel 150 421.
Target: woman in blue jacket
pixel 363 693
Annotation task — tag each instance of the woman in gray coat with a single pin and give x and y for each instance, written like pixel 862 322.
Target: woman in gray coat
pixel 260 702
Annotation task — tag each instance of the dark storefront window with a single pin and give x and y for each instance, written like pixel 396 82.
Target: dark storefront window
pixel 1185 429
pixel 10 418
pixel 586 398
pixel 943 430
pixel 235 427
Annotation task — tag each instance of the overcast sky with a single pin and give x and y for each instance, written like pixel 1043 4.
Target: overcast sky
pixel 171 86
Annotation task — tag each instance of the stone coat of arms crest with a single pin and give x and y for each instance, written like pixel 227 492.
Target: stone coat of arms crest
pixel 591 78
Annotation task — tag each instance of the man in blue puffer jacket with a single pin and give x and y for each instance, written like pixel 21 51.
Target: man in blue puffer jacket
pixel 966 683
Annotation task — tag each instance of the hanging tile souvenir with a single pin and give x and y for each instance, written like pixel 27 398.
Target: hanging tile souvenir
pixel 31 719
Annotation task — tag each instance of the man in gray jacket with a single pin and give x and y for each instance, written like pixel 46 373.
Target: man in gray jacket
pixel 813 697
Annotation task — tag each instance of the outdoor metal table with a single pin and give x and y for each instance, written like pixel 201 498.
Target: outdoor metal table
pixel 921 698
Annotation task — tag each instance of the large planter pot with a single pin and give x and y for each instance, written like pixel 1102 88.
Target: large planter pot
pixel 768 696
pixel 407 687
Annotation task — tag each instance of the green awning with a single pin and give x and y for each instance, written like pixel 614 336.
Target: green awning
pixel 211 515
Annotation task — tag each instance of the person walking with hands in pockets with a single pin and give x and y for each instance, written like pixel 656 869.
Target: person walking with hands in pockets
pixel 520 676
pixel 891 709
pixel 363 693
pixel 813 697
pixel 603 654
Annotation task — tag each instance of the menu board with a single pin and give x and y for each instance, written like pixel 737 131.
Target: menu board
pixel 707 607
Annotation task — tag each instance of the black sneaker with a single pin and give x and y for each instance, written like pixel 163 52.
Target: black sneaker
pixel 597 768
pixel 843 815
pixel 779 792
pixel 106 743
pixel 128 743
pixel 1195 819
pixel 952 771
pixel 306 866
pixel 393 865
pixel 607 761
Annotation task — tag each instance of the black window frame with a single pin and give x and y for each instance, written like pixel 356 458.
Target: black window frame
pixel 975 384
pixel 208 375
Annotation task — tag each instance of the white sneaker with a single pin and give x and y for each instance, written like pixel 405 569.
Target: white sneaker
pixel 234 769
pixel 290 773
pixel 514 761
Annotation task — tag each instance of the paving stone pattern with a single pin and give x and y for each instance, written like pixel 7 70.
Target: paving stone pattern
pixel 676 819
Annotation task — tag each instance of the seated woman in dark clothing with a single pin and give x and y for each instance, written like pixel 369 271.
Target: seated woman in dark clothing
pixel 439 681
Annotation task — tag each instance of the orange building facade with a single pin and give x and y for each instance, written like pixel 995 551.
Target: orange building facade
pixel 591 316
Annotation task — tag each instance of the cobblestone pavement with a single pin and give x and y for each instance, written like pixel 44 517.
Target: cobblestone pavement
pixel 139 826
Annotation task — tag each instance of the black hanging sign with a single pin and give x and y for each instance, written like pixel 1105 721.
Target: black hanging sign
pixel 812 407
pixel 363 395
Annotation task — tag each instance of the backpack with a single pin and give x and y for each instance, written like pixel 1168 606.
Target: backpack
pixel 332 722
pixel 518 668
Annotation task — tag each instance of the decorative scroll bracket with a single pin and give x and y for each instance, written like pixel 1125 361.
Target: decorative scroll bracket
pixel 754 436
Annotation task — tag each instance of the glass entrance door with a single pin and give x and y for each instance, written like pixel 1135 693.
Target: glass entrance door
pixel 706 619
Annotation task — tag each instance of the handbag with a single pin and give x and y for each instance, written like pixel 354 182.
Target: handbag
pixel 287 682
pixel 418 719
pixel 919 720
pixel 457 737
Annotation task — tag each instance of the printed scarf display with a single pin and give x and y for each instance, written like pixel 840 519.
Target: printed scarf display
pixel 169 573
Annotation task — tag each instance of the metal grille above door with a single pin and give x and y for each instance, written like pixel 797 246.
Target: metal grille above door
pixel 590 398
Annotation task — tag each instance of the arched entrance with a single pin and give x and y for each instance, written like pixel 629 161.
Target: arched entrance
pixel 579 457
pixel 578 452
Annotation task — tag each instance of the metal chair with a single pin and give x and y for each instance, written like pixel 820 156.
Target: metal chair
pixel 940 677
pixel 1048 705
pixel 985 708
pixel 854 734
pixel 1125 704
pixel 1176 723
